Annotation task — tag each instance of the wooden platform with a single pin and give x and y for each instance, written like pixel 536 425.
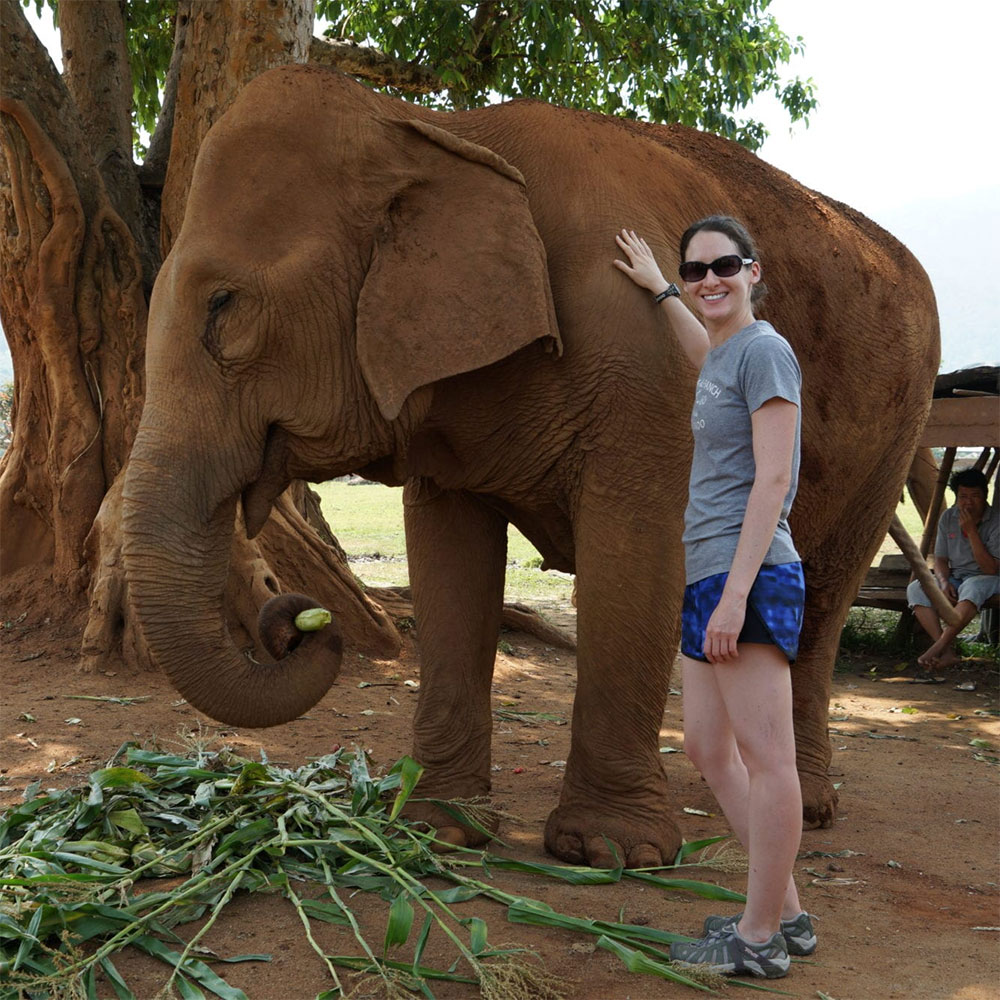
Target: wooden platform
pixel 885 586
pixel 965 413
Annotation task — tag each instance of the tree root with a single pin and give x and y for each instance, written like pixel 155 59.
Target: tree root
pixel 398 601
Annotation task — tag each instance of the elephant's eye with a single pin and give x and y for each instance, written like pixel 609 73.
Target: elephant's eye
pixel 210 338
pixel 218 300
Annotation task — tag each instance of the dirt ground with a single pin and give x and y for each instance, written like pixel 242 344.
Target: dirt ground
pixel 911 912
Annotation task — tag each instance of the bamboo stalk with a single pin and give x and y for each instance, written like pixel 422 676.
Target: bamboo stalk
pixel 934 511
pixel 918 563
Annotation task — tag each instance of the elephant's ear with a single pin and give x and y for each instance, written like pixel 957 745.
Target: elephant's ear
pixel 458 278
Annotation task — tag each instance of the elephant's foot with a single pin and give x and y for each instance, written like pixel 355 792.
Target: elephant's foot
pixel 819 801
pixel 605 834
pixel 445 820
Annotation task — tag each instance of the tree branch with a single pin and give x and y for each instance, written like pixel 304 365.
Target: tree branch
pixel 97 74
pixel 99 79
pixel 374 66
pixel 153 171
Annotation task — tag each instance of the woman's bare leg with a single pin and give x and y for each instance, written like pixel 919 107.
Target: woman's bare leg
pixel 710 741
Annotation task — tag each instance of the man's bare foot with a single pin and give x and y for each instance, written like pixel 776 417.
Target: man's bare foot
pixel 947 659
pixel 927 660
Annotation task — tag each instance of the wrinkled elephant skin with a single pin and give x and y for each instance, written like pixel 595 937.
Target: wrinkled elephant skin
pixel 363 285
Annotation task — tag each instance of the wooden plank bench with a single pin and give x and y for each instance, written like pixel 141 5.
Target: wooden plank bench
pixel 885 587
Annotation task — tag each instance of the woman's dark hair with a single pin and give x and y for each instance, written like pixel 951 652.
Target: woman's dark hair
pixel 737 232
pixel 971 479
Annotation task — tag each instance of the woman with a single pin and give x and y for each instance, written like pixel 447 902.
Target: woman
pixel 744 594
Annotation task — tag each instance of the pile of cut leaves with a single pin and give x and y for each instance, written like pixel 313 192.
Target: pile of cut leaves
pixel 75 867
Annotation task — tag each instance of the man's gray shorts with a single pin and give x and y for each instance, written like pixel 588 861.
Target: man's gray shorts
pixel 975 589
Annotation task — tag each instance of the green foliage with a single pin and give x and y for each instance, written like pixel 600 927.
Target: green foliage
pixel 72 861
pixel 977 650
pixel 697 62
pixel 149 28
pixel 873 631
pixel 149 38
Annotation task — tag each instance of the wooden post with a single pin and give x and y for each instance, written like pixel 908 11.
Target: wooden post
pixel 934 511
pixel 992 467
pixel 918 563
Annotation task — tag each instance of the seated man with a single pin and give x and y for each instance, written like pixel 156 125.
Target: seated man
pixel 966 565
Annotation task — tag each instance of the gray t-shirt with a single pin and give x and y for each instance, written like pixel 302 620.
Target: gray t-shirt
pixel 738 377
pixel 955 547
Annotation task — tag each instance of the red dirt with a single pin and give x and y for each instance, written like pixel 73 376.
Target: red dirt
pixel 897 919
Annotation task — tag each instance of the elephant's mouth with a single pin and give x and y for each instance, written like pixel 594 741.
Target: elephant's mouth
pixel 259 496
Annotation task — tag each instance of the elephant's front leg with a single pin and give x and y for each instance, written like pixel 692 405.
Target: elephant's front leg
pixel 456 548
pixel 614 806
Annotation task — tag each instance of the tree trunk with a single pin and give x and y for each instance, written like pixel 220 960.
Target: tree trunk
pixel 79 250
pixel 74 314
pixel 229 42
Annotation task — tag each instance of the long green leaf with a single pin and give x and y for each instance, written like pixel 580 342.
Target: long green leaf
pixel 400 921
pixel 409 771
pixel 252 832
pixel 477 935
pixel 194 968
pixel 117 983
pixel 90 983
pixel 704 889
pixel 320 909
pixel 30 938
pixel 693 847
pixel 187 989
pixel 573 874
pixel 635 961
pixel 418 950
pixel 119 777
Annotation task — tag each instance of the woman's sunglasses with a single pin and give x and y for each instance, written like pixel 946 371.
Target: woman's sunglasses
pixel 723 267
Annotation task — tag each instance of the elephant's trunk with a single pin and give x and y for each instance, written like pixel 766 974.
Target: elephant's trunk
pixel 176 555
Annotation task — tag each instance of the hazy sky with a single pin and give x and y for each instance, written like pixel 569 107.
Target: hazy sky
pixel 906 133
pixel 903 88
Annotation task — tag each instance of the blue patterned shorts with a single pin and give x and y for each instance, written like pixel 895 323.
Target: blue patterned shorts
pixel 774 610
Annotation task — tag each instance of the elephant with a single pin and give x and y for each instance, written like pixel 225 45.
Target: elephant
pixel 427 298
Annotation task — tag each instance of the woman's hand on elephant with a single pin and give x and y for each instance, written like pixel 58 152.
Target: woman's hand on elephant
pixel 723 629
pixel 641 267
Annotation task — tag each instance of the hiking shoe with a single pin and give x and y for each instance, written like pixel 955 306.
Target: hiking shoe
pixel 726 953
pixel 798 933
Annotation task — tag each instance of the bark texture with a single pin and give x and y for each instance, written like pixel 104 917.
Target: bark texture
pixel 374 65
pixel 79 250
pixel 227 44
pixel 74 314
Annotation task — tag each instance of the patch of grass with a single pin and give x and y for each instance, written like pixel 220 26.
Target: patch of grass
pixel 978 650
pixel 367 519
pixel 913 523
pixel 873 631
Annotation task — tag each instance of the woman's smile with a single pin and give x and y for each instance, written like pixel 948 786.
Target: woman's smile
pixel 723 303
